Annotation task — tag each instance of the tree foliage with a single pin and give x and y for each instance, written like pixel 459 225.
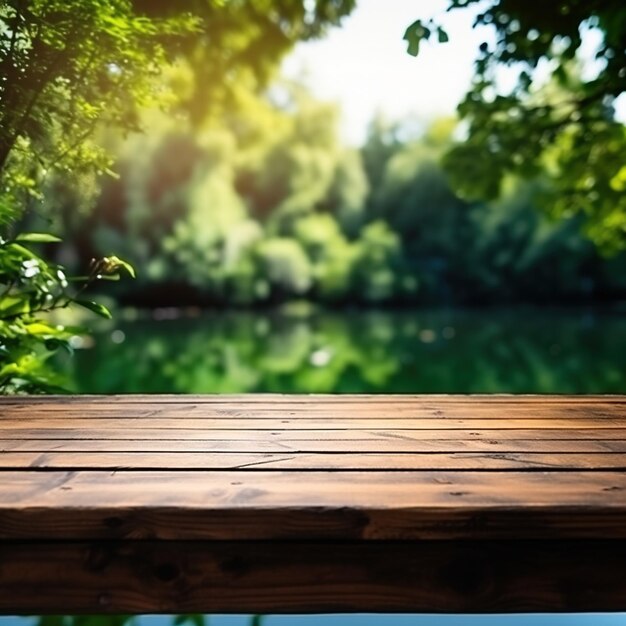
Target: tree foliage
pixel 31 287
pixel 268 206
pixel 70 68
pixel 558 120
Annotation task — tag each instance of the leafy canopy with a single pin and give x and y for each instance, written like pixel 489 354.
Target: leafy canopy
pixel 71 67
pixel 562 127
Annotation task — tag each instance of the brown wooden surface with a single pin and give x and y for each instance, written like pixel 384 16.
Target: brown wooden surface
pixel 312 503
pixel 256 577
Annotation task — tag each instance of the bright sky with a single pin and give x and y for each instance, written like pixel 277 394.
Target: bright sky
pixel 364 65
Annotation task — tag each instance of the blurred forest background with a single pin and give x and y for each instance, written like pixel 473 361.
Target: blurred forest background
pixel 169 139
pixel 268 206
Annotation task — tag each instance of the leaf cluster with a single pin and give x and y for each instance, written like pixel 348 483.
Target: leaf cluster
pixel 70 66
pixel 562 127
pixel 31 287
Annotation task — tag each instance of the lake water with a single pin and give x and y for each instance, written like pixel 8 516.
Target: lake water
pixel 490 351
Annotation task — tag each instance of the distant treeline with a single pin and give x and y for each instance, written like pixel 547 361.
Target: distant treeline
pixel 267 205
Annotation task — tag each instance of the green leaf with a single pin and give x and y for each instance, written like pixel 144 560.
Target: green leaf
pixel 25 252
pixel 40 328
pixel 127 266
pixel 14 305
pixel 618 182
pixel 442 35
pixel 130 269
pixel 37 238
pixel 111 264
pixel 98 309
pixel 413 36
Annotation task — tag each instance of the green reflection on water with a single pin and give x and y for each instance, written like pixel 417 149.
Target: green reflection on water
pixel 522 351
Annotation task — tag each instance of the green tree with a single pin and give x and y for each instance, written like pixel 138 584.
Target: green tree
pixel 414 197
pixel 193 208
pixel 192 205
pixel 347 195
pixel 285 266
pixel 291 172
pixel 566 130
pixel 377 259
pixel 331 255
pixel 69 68
pixel 517 253
pixel 381 144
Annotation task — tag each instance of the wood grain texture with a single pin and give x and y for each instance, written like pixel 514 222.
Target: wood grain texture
pixel 232 505
pixel 374 438
pixel 52 421
pixel 295 445
pixel 310 577
pixel 320 410
pixel 303 398
pixel 272 503
pixel 128 461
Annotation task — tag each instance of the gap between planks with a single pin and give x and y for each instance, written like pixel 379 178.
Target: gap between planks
pixel 180 461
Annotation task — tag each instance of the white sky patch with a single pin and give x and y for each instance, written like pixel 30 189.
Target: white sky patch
pixel 620 108
pixel 364 66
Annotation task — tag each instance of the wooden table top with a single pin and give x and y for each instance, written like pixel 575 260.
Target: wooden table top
pixel 393 473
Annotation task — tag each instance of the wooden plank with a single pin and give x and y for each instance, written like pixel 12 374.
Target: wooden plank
pixel 307 399
pixel 301 423
pixel 320 411
pixel 296 503
pixel 385 438
pixel 303 400
pixel 235 505
pixel 251 577
pixel 107 461
pixel 315 446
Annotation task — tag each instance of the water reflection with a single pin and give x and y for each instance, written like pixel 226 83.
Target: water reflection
pixel 524 351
